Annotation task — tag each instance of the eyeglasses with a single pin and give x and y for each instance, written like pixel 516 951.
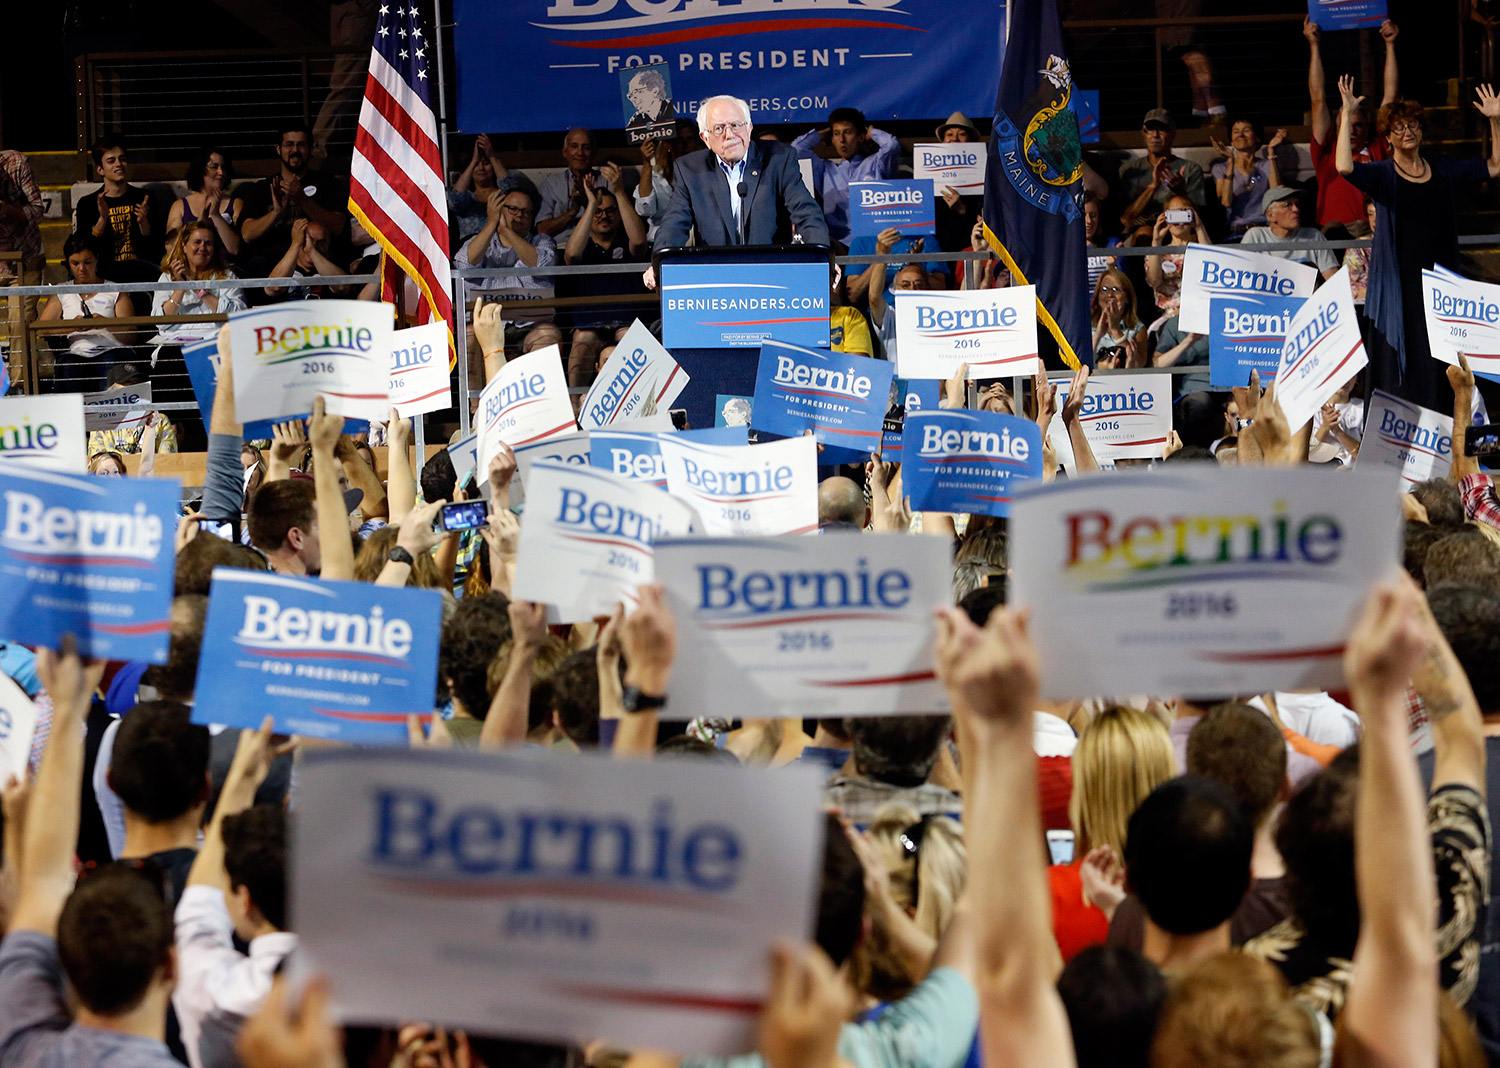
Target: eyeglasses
pixel 724 128
pixel 1405 127
pixel 514 210
pixel 1110 289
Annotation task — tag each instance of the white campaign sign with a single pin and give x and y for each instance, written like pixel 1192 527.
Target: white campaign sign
pixel 563 449
pixel 828 626
pixel 1229 271
pixel 991 330
pixel 587 537
pixel 1201 581
pixel 1322 351
pixel 746 489
pixel 526 402
pixel 1125 417
pixel 119 407
pixel 44 431
pixel 639 375
pixel 17 727
pixel 464 454
pixel 1414 441
pixel 419 370
pixel 563 900
pixel 959 164
pixel 1462 316
pixel 288 355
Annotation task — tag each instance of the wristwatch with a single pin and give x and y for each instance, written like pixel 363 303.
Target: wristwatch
pixel 634 700
pixel 399 555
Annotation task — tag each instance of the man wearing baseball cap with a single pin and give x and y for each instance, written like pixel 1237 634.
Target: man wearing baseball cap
pixel 1147 181
pixel 1283 208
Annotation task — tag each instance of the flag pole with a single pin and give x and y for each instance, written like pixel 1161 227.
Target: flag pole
pixel 442 108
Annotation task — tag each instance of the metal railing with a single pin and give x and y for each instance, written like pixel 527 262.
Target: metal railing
pixel 167 105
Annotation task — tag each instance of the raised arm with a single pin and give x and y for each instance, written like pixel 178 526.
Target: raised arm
pixel 1344 154
pixel 400 480
pixel 1391 80
pixel 578 240
pixel 362 476
pixel 223 476
pixel 991 676
pixel 1461 378
pixel 1457 723
pixel 1083 453
pixel 251 765
pixel 1488 105
pixel 333 520
pixel 648 638
pixel 630 219
pixel 1390 1017
pixel 1316 83
pixel 416 536
pixel 52 814
pixel 505 722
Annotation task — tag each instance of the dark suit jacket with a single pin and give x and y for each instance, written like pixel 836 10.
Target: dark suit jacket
pixel 775 198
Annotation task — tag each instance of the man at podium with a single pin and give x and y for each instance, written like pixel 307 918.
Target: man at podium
pixel 738 191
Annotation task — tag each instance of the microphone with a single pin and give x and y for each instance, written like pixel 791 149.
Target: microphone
pixel 742 189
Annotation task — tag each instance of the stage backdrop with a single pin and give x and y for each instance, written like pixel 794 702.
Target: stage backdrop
pixel 526 65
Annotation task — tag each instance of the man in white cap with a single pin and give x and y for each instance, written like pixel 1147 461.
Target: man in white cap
pixel 1284 224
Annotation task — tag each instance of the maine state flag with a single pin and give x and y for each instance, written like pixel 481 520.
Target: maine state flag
pixel 1033 189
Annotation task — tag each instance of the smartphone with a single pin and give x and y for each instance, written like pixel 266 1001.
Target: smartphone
pixel 1060 845
pixel 463 515
pixel 1482 440
pixel 679 418
pixel 1178 216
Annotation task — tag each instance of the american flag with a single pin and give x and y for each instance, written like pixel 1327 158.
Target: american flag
pixel 396 181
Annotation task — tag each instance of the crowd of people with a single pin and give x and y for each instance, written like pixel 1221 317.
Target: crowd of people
pixel 1266 880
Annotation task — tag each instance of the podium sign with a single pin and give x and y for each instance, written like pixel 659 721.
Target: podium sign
pixel 740 305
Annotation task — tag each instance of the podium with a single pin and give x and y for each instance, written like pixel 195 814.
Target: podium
pixel 718 305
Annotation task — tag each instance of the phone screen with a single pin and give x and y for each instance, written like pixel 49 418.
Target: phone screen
pixel 1482 440
pixel 463 515
pixel 1060 845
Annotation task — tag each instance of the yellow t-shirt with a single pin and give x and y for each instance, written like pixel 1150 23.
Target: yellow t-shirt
pixel 848 331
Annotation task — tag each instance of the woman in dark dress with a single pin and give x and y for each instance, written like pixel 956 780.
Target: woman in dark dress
pixel 1415 227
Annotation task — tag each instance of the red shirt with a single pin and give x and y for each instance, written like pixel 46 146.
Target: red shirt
pixel 1075 923
pixel 1338 201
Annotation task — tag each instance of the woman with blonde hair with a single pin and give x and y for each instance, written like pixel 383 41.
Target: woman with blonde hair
pixel 1122 755
pixel 1119 334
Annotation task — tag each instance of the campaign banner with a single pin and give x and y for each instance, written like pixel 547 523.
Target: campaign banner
pixel 1124 417
pixel 563 900
pixel 465 456
pixel 961 460
pixel 88 556
pixel 791 60
pixel 646 102
pixel 991 330
pixel 526 402
pixel 1200 581
pixel 288 355
pixel 840 397
pixel 740 305
pixel 563 449
pixel 202 359
pixel 515 300
pixel 1347 14
pixel 1416 442
pixel 1086 106
pixel 116 408
pixel 1210 271
pixel 1462 315
pixel 1247 335
pixel 906 205
pixel 908 395
pixel 419 370
pixel 44 431
pixel 587 538
pixel 639 376
pixel 1323 350
pixel 805 626
pixel 345 661
pixel 771 488
pixel 17 728
pixel 636 454
pixel 955 163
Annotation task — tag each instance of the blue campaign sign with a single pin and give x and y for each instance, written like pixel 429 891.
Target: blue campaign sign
pixel 739 305
pixel 792 60
pixel 906 205
pixel 346 661
pixel 1246 334
pixel 1086 107
pixel 961 460
pixel 840 397
pixel 202 359
pixel 912 395
pixel 87 556
pixel 1347 14
pixel 636 454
